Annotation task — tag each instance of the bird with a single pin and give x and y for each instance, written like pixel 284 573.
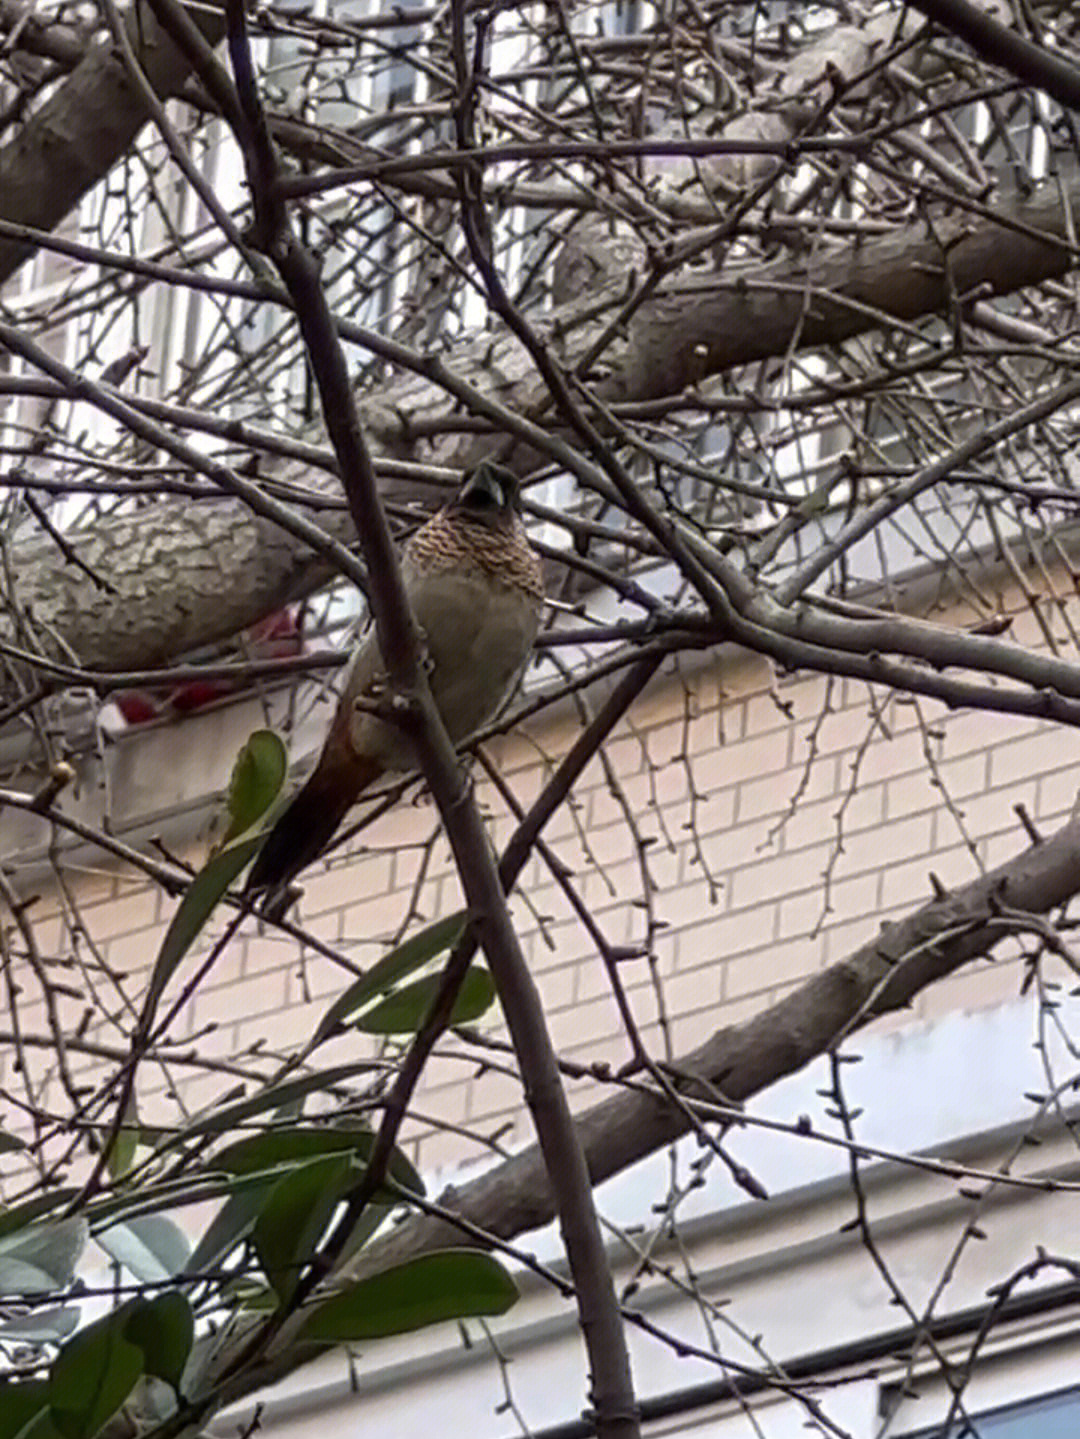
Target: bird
pixel 475 587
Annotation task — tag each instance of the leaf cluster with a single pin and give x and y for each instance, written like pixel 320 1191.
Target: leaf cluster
pixel 279 1179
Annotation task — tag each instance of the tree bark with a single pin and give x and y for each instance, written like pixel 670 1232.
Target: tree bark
pixel 514 1198
pixel 180 576
pixel 744 1059
pixel 89 122
pixel 733 318
pixel 168 565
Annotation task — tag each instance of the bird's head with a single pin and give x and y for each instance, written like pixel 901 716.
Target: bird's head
pixel 488 495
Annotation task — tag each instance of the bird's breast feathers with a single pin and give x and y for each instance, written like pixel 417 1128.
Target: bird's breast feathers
pixel 500 556
pixel 477 633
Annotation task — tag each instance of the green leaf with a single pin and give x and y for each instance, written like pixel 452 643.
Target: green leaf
pixel 820 497
pixel 17 1278
pixel 375 1212
pixel 51 1249
pixel 257 777
pixel 294 1217
pixel 150 1246
pixel 8 1143
pixel 92 1376
pixel 21 1402
pixel 255 783
pixel 195 909
pixel 164 1329
pixel 258 1300
pixel 233 1222
pixel 449 1284
pixel 275 1147
pixel 20 1215
pixel 168 1194
pixel 420 949
pixel 40 1326
pixel 230 1116
pixel 121 1154
pixel 404 1011
pixel 41 1426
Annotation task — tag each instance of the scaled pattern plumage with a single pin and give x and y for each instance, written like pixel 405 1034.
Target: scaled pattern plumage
pixel 476 589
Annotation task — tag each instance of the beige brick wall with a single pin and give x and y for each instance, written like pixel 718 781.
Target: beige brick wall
pixel 778 839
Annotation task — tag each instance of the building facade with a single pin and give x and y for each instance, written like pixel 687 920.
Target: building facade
pixel 743 831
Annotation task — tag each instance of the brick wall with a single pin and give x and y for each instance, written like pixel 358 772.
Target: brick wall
pixel 776 823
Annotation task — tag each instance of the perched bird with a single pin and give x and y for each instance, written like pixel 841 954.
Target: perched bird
pixel 475 586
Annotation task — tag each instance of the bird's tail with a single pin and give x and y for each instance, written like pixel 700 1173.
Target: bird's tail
pixel 309 823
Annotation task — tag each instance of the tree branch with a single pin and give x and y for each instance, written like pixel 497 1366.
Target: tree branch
pixel 1046 69
pixel 742 1060
pixel 400 647
pixel 85 127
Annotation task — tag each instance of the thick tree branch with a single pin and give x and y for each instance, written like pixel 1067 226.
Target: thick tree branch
pixel 400 645
pixel 85 127
pixel 742 1060
pixel 718 321
pixel 1046 69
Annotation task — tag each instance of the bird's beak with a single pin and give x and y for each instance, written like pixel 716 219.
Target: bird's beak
pixel 497 484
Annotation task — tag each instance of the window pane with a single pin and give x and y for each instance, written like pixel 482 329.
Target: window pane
pixel 1055 1416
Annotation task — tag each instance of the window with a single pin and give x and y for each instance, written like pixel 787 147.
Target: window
pixel 1054 1416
